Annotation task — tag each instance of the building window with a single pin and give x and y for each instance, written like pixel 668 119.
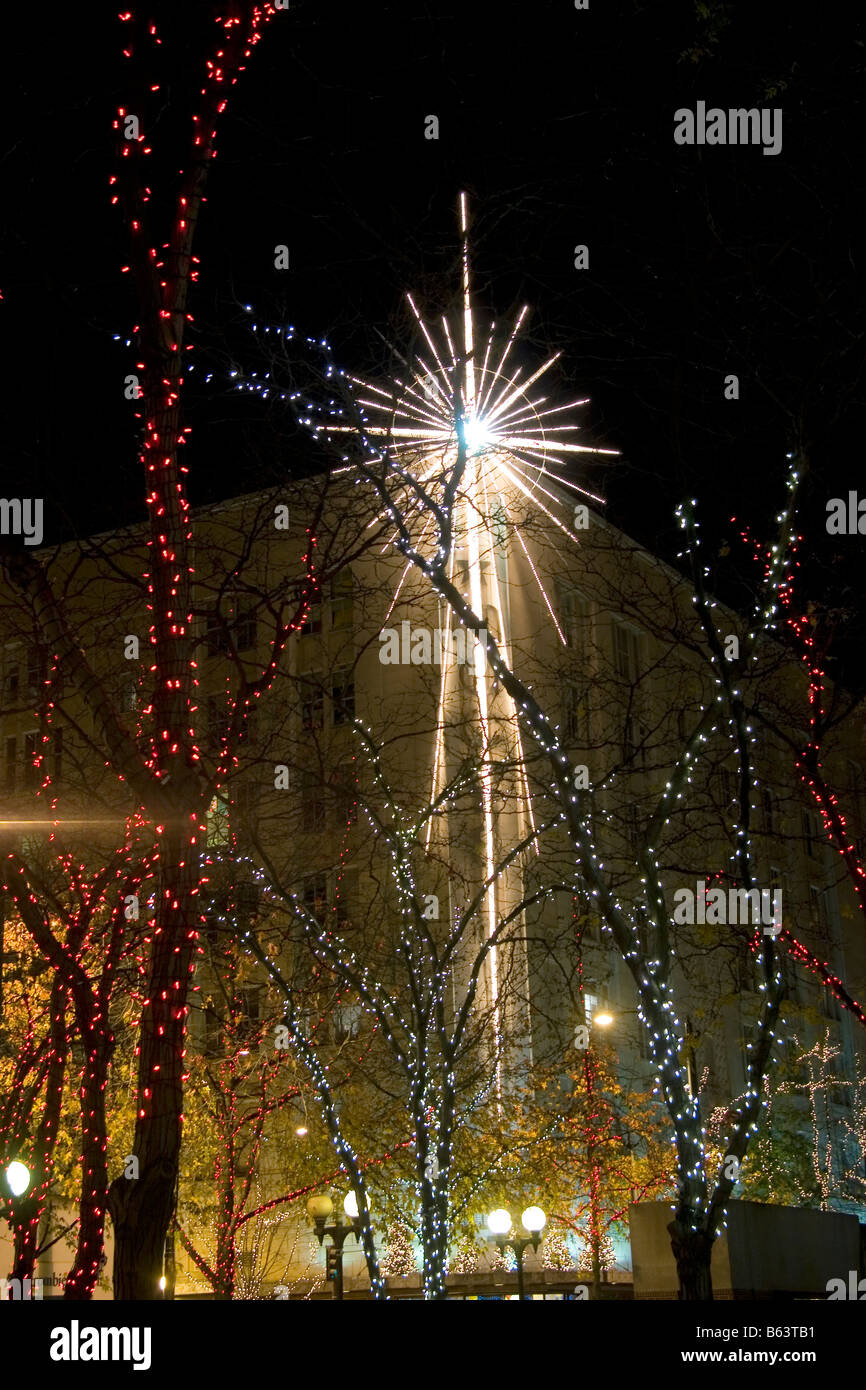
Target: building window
pixel 632 828
pixel 810 833
pixel 345 805
pixel 633 742
pixel 343 697
pixel 239 631
pixel 245 630
pixel 626 651
pixel 32 774
pixel 216 633
pixel 13 680
pixel 313 802
pixel 346 900
pixel 315 896
pixel 790 979
pixel 575 714
pixel 246 800
pixel 574 616
pixel 342 600
pixel 248 1009
pixel 747 971
pixel 312 705
pixel 727 787
pixel 817 907
pixel 313 621
pixel 35 669
pixel 11 764
pixel 216 719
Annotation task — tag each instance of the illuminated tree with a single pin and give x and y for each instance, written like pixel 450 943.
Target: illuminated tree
pixel 245 1098
pixel 400 1256
pixel 444 1061
pixel 156 756
pixel 81 924
pixel 554 1253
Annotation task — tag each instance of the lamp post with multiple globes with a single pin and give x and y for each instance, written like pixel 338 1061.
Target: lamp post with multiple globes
pixel 534 1221
pixel 319 1209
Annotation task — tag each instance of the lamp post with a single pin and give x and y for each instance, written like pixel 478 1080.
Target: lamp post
pixel 19 1208
pixel 534 1221
pixel 602 1018
pixel 319 1209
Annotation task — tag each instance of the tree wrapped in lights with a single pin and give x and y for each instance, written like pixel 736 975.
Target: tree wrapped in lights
pixel 400 1257
pixel 38 1071
pixel 80 924
pixel 812 630
pixel 837 1141
pixel 555 1253
pixel 441 1061
pixel 596 1252
pixel 466 1258
pixel 244 1097
pixel 583 1134
pixel 157 755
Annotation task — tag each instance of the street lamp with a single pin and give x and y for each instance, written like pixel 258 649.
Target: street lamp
pixel 534 1221
pixel 319 1209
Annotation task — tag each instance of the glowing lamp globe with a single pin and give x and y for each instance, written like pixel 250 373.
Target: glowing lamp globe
pixel 534 1219
pixel 499 1221
pixel 18 1178
pixel 320 1208
pixel 604 1019
pixel 350 1206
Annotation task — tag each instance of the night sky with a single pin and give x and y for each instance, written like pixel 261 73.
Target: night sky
pixel 559 123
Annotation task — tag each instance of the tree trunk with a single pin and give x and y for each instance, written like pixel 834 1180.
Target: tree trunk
pixel 224 1264
pixel 27 1210
pixel 434 1237
pixel 142 1208
pixel 81 1280
pixel 692 1252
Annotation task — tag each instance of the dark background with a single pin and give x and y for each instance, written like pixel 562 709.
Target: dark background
pixel 559 123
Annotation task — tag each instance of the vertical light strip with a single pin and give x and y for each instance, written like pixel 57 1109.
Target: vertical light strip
pixel 473 509
pixel 439 755
pixel 476 599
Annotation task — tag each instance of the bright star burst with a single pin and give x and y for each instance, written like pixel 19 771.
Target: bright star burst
pixel 472 393
pixel 468 407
